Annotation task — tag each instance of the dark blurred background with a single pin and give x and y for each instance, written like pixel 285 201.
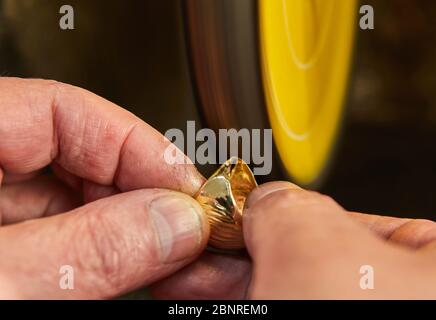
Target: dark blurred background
pixel 387 159
pixel 134 53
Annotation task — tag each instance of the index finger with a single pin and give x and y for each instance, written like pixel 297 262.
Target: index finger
pixel 46 121
pixel 413 233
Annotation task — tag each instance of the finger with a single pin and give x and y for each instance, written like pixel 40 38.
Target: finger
pixel 114 245
pixel 299 240
pixel 89 190
pixel 267 188
pixel 93 191
pixel 30 199
pixel 281 208
pixel 90 137
pixel 71 180
pixel 226 277
pixel 413 233
pixel 1 181
pixel 14 178
pixel 212 276
pixel 381 225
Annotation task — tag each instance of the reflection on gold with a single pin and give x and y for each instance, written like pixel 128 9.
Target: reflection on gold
pixel 222 197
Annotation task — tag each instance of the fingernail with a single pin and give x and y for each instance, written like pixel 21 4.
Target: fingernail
pixel 178 225
pixel 266 189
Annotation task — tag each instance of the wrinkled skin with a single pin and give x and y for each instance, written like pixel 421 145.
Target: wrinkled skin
pixel 124 219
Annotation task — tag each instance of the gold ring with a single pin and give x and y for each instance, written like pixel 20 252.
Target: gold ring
pixel 222 197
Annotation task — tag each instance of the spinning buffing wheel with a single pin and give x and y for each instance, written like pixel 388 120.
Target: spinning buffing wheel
pixel 281 64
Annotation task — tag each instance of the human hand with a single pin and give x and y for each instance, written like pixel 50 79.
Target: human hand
pixel 129 233
pixel 303 245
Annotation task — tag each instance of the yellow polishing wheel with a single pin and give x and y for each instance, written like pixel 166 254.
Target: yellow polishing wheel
pixel 306 49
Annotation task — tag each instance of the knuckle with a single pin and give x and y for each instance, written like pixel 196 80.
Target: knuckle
pixel 425 223
pixel 326 200
pixel 423 230
pixel 57 86
pixel 417 226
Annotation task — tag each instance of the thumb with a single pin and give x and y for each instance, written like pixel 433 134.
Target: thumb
pixel 290 233
pixel 113 245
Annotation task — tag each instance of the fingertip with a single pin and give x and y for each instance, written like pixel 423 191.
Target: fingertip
pixel 180 226
pixel 196 180
pixel 267 188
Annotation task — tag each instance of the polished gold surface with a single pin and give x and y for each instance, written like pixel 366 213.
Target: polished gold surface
pixel 222 197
